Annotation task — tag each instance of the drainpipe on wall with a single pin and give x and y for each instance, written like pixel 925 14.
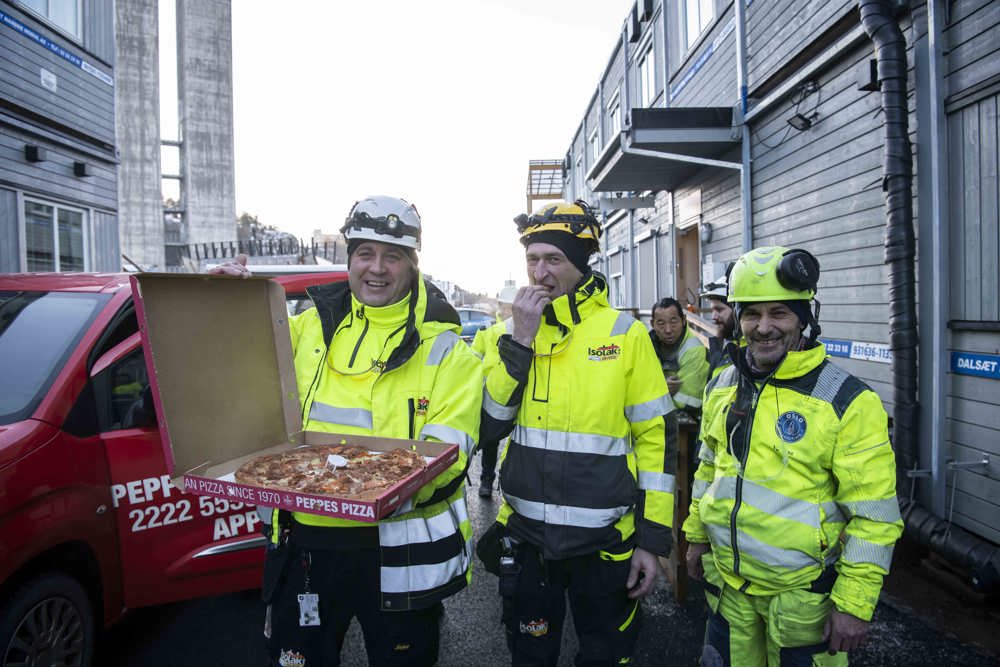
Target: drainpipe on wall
pixel 741 83
pixel 979 558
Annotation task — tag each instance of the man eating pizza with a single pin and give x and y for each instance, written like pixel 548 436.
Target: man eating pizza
pixel 379 355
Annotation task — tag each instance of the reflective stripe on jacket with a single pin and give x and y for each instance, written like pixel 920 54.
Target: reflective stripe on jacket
pixel 587 465
pixel 399 371
pixel 807 481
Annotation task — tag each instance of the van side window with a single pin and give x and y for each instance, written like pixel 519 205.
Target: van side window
pixel 124 399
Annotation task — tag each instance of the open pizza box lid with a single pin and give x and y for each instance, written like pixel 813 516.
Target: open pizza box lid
pixel 220 366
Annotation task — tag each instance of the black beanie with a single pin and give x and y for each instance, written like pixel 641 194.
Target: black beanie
pixel 801 309
pixel 353 244
pixel 577 250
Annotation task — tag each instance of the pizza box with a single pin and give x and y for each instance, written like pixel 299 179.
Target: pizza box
pixel 223 382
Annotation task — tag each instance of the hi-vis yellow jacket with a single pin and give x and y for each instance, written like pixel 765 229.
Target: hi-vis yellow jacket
pixel 797 474
pixel 688 360
pixel 398 371
pixel 586 466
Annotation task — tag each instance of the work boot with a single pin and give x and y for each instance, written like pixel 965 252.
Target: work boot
pixel 486 487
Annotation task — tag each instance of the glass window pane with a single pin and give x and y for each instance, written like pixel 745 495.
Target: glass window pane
pixel 65 14
pixel 706 13
pixel 71 257
pixel 38 332
pixel 691 21
pixel 39 6
pixel 39 241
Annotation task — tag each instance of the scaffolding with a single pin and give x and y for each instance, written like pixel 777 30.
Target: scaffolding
pixel 545 181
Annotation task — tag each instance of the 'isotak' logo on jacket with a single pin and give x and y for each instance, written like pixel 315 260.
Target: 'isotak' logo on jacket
pixel 604 352
pixel 422 404
pixel 791 426
pixel 535 628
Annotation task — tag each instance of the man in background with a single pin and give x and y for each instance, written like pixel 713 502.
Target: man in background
pixel 682 356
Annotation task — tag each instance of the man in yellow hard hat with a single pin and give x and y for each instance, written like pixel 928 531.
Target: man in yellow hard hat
pixel 793 514
pixel 586 478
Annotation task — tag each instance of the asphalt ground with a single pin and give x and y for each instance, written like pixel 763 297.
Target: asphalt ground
pixel 226 631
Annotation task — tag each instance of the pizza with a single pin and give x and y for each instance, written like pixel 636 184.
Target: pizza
pixel 340 470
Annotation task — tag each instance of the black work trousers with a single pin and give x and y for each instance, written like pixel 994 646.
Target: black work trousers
pixel 534 608
pixel 347 583
pixel 489 462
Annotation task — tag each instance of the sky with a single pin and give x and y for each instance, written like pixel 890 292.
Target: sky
pixel 440 102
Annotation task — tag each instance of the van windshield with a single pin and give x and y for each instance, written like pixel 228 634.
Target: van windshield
pixel 38 332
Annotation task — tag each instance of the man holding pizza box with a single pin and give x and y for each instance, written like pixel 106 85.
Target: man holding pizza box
pixel 379 355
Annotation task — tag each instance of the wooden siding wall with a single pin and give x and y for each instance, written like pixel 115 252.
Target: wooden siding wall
pixel 715 83
pixel 104 243
pixel 10 243
pixel 721 208
pixel 81 100
pixel 973 422
pixel 54 177
pixel 973 38
pixel 99 29
pixel 613 80
pixel 646 271
pixel 973 141
pixel 777 30
pixel 821 190
pixel 973 417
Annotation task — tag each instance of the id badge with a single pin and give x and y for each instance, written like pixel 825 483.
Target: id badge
pixel 308 609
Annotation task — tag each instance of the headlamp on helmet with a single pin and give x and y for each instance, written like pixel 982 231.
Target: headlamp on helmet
pixel 576 219
pixel 385 219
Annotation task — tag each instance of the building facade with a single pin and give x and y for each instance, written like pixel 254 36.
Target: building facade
pixel 719 126
pixel 58 161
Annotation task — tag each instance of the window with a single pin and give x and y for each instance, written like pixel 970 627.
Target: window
pixel 38 333
pixel 647 77
pixel 698 15
pixel 595 146
pixel 55 237
pixel 614 114
pixel 64 14
pixel 123 395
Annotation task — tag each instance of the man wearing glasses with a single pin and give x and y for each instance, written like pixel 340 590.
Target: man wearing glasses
pixel 379 355
pixel 587 486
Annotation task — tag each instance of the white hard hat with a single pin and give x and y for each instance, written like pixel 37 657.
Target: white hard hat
pixel 717 289
pixel 387 219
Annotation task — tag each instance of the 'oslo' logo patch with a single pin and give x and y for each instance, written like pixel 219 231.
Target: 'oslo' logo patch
pixel 791 426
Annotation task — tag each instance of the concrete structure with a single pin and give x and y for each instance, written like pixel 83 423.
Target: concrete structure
pixel 205 89
pixel 206 212
pixel 719 126
pixel 138 122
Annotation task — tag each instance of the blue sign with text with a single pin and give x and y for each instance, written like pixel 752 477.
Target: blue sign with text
pixel 981 365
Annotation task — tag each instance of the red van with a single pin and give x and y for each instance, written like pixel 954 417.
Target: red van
pixel 90 525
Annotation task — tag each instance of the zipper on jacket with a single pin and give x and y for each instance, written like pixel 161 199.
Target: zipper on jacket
pixel 413 410
pixel 738 499
pixel 357 346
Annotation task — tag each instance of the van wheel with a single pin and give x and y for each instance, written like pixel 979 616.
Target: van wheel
pixel 47 621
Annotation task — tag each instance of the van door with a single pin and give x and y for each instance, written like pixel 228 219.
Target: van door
pixel 174 546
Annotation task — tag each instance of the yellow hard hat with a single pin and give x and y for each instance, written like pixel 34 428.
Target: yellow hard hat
pixel 774 273
pixel 576 219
